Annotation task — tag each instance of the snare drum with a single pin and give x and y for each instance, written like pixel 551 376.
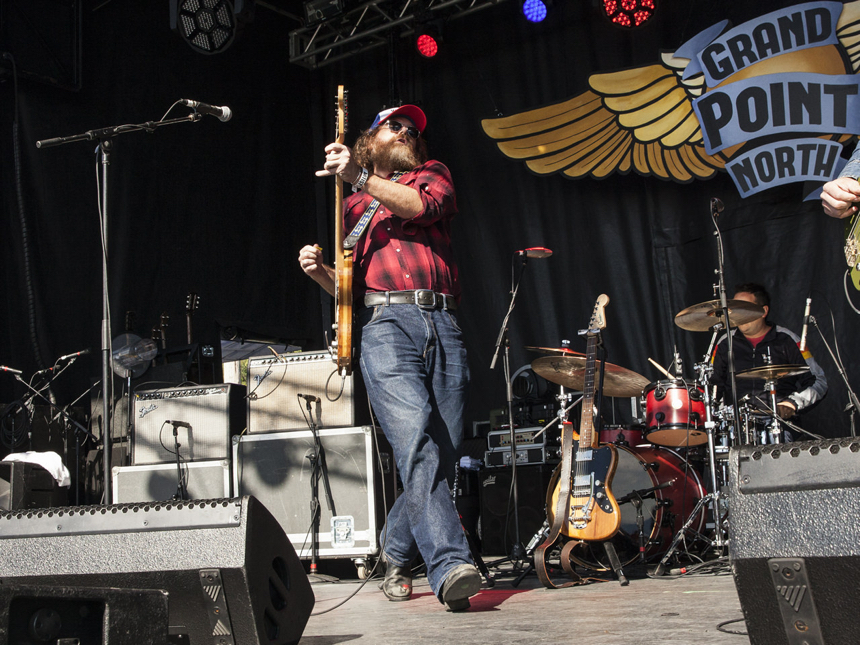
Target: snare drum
pixel 675 414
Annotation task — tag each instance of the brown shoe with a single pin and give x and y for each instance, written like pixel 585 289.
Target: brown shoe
pixel 397 584
pixel 462 582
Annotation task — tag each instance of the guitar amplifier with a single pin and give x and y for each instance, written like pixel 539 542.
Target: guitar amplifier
pixel 210 415
pixel 525 438
pixel 275 383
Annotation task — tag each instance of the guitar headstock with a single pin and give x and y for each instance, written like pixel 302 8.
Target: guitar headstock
pixel 598 316
pixel 191 303
pixel 342 119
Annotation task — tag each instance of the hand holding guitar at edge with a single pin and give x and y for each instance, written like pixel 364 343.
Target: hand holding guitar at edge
pixel 838 197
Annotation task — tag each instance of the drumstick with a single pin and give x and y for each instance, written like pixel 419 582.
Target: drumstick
pixel 660 367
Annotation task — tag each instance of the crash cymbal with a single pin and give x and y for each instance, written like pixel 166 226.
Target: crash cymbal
pixel 557 351
pixel 569 371
pixel 773 372
pixel 703 316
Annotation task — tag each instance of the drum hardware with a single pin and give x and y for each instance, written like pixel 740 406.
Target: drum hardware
pixel 569 370
pixel 771 374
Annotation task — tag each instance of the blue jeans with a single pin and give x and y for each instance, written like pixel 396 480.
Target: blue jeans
pixel 414 366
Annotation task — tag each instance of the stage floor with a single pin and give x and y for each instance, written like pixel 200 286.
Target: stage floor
pixel 676 611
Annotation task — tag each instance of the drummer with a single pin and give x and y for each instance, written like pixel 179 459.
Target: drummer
pixel 753 343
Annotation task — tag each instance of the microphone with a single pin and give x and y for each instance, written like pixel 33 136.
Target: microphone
pixel 536 252
pixel 716 206
pixel 223 113
pixel 83 352
pixel 179 424
pixel 802 345
pixel 11 370
pixel 310 398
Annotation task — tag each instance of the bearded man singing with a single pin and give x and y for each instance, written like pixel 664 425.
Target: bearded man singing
pixel 406 290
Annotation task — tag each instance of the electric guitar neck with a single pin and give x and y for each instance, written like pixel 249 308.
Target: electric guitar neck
pixel 343 260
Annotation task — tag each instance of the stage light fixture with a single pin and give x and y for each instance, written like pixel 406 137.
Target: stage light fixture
pixel 629 13
pixel 210 26
pixel 427 41
pixel 535 10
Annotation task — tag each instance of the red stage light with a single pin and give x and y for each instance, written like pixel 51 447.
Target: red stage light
pixel 629 13
pixel 427 45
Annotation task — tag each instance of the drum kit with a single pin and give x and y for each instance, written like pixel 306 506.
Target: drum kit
pixel 658 482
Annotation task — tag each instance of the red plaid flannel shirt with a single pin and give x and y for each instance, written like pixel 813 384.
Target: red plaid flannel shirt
pixel 395 254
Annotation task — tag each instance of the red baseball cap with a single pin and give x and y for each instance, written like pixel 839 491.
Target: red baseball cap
pixel 412 112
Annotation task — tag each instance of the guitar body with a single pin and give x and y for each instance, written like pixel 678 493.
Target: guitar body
pixel 344 314
pixel 852 248
pixel 593 513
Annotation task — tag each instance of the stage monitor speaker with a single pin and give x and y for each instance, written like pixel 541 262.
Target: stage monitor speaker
pixel 214 413
pixel 497 511
pixel 226 564
pixel 795 540
pixel 80 615
pixel 275 469
pixel 274 384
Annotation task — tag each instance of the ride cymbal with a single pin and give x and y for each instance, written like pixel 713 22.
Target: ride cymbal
pixel 773 372
pixel 703 316
pixel 569 371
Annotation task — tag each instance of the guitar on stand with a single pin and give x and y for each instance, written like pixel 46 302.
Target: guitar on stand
pixel 580 503
pixel 341 346
pixel 191 305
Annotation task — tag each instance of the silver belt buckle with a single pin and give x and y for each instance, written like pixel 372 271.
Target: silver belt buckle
pixel 421 299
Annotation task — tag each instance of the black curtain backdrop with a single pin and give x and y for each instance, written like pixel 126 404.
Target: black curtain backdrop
pixel 221 209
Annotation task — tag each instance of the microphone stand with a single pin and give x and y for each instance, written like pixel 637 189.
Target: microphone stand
pixel 517 553
pixel 181 490
pixel 318 471
pixel 853 406
pixel 104 137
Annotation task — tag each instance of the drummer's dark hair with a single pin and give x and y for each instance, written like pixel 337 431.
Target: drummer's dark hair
pixel 762 297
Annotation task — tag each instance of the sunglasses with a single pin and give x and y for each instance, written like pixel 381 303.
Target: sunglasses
pixel 396 126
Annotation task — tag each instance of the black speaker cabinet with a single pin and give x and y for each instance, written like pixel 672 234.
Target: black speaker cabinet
pixel 209 416
pixel 25 485
pixel 275 469
pixel 795 540
pixel 274 384
pixel 226 564
pixel 497 511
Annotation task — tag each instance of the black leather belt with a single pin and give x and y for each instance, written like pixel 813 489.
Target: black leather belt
pixel 423 298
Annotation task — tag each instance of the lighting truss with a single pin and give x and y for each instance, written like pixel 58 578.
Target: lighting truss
pixel 366 26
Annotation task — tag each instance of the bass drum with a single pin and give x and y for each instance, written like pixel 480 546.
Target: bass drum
pixel 664 511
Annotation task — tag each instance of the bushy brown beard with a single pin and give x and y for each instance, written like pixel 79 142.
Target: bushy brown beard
pixel 391 156
pixel 394 156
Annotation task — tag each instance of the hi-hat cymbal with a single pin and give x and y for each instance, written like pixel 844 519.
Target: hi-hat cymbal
pixel 557 351
pixel 569 371
pixel 703 316
pixel 773 372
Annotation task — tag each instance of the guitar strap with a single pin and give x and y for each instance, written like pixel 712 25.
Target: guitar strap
pixel 560 518
pixel 351 240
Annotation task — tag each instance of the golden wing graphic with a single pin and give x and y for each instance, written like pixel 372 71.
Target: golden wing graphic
pixel 848 32
pixel 637 119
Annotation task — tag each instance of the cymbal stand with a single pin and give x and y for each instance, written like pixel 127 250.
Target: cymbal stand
pixel 704 375
pixel 716 209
